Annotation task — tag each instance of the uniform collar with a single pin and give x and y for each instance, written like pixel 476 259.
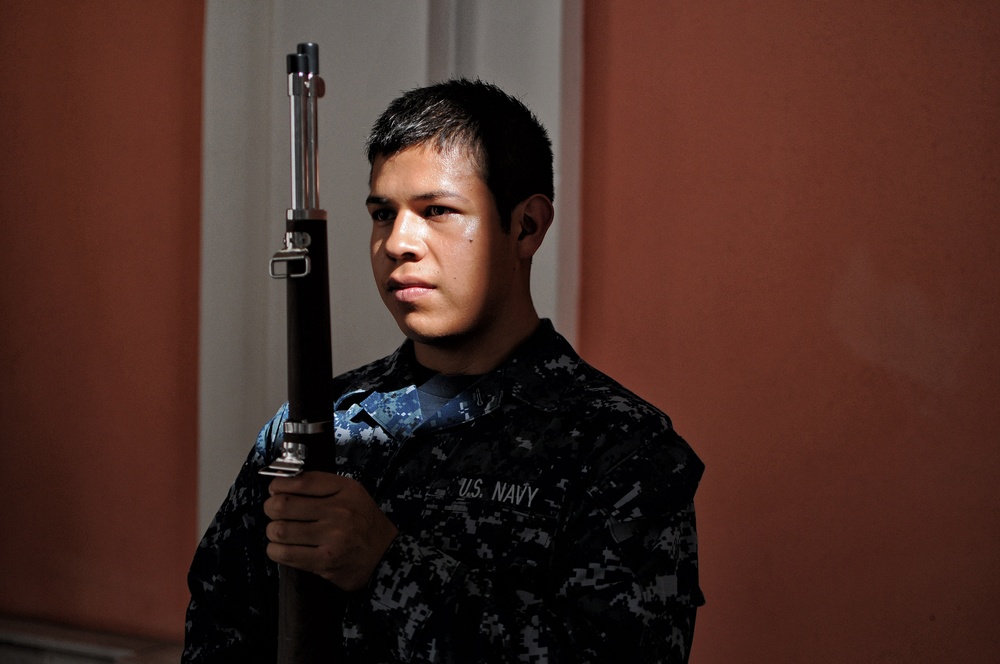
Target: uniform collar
pixel 537 374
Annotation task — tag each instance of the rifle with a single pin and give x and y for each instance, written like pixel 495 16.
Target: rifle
pixel 307 605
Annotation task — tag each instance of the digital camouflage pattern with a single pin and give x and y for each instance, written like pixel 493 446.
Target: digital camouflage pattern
pixel 545 515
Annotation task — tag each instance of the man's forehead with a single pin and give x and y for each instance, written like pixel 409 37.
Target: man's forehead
pixel 449 159
pixel 433 149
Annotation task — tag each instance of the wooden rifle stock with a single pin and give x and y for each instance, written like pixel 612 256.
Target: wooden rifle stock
pixel 308 620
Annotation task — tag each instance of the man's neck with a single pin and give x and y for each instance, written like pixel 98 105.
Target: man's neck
pixel 477 354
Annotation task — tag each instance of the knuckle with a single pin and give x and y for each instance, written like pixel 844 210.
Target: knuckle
pixel 330 553
pixel 274 552
pixel 274 505
pixel 275 531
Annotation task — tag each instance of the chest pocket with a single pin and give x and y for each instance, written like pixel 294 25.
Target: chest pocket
pixel 490 535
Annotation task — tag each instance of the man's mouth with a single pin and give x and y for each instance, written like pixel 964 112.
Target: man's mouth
pixel 407 289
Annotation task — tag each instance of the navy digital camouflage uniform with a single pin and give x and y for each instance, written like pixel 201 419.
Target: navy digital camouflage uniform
pixel 545 515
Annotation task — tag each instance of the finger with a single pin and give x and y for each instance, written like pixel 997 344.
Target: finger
pixel 311 483
pixel 291 555
pixel 294 533
pixel 295 507
pixel 326 560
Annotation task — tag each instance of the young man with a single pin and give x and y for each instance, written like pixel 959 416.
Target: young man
pixel 494 497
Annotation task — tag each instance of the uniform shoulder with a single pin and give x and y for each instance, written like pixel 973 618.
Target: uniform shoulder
pixel 548 373
pixel 388 368
pixel 600 396
pixel 631 437
pixel 644 466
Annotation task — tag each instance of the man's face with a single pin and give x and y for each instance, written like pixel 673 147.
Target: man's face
pixel 444 267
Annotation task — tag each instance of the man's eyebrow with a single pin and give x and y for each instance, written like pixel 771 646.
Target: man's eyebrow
pixel 441 193
pixel 375 199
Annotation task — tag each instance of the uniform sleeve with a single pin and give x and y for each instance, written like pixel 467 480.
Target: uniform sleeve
pixel 232 582
pixel 623 585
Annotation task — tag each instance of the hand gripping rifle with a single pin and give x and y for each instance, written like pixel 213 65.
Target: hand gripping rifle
pixel 307 604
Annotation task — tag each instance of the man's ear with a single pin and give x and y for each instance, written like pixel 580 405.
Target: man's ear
pixel 531 220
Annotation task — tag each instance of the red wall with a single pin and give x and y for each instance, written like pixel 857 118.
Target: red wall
pixel 100 122
pixel 790 243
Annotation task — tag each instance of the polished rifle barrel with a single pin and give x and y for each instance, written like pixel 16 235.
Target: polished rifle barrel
pixel 305 88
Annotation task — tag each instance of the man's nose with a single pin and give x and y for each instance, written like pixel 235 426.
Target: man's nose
pixel 405 241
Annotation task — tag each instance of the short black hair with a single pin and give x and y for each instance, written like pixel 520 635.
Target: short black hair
pixel 508 143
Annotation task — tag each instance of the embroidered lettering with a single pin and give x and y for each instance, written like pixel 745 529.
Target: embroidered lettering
pixel 468 488
pixel 513 493
pixel 508 496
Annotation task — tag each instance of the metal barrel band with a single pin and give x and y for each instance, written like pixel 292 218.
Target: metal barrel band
pixel 307 428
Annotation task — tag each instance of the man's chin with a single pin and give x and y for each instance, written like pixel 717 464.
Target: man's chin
pixel 430 334
pixel 437 340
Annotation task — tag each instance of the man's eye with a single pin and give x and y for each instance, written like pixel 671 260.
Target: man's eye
pixel 436 210
pixel 383 214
